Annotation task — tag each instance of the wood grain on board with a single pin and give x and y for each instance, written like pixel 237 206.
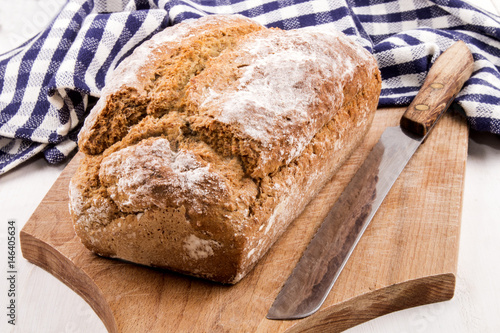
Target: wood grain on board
pixel 407 256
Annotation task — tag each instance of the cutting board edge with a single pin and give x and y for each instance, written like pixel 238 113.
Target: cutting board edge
pixel 31 236
pixel 379 302
pixel 55 263
pixel 340 317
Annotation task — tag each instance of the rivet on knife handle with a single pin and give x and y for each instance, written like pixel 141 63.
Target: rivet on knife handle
pixel 324 258
pixel 443 82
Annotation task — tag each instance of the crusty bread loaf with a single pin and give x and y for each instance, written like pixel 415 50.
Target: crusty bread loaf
pixel 212 137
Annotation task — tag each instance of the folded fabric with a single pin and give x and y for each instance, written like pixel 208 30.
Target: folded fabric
pixel 48 84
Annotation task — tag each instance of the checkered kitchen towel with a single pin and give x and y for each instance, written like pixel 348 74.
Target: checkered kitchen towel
pixel 47 84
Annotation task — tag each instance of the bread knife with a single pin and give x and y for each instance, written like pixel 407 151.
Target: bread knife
pixel 326 255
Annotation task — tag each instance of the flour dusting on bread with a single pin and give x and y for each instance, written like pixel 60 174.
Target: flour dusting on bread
pixel 151 174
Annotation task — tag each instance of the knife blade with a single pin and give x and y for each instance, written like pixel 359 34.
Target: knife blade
pixel 326 255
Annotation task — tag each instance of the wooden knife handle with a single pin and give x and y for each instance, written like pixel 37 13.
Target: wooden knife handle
pixel 443 82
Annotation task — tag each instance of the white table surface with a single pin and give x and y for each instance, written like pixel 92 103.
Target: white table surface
pixel 44 304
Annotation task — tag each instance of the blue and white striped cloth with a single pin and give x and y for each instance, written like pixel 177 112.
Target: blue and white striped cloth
pixel 48 83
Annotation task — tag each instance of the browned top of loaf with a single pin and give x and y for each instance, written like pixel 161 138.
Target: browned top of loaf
pixel 152 80
pixel 266 99
pixel 204 112
pixel 234 98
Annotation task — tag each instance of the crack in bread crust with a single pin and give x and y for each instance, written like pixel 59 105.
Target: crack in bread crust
pixel 193 184
pixel 152 80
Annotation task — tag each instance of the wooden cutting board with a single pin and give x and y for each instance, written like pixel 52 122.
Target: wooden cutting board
pixel 407 256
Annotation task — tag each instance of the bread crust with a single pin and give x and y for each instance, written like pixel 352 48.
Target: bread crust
pixel 221 155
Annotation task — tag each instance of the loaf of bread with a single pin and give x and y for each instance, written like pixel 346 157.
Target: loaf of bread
pixel 212 137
